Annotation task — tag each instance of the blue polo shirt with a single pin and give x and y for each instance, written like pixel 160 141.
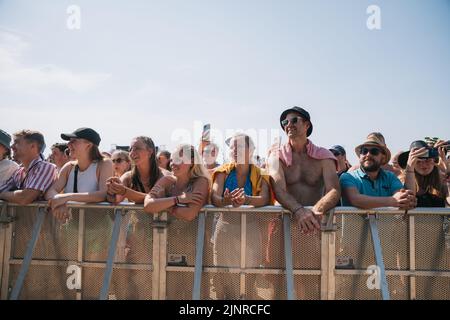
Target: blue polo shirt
pixel 385 185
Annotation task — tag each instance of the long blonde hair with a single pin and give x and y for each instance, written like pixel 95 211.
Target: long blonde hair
pixel 191 156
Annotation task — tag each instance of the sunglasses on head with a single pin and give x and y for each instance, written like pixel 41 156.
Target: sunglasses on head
pixel 373 151
pixel 118 160
pixel 294 120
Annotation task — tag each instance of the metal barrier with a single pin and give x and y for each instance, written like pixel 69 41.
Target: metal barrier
pixel 120 252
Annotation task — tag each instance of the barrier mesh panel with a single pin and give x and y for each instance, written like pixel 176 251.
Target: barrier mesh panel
pixel 432 253
pixel 43 282
pixel 57 241
pixel 125 284
pixel 433 288
pixel 354 287
pixel 353 241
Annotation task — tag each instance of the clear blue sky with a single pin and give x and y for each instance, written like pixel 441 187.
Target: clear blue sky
pixel 150 67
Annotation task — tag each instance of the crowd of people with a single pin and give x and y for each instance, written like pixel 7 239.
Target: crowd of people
pixel 295 175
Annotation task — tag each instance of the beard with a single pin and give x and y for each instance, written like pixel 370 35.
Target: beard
pixel 372 167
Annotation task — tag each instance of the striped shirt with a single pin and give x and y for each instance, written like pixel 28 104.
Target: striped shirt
pixel 39 176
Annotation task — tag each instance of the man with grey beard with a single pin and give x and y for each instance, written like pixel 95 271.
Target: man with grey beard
pixel 370 186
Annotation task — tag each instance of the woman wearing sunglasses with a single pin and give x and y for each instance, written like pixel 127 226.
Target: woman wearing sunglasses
pixel 121 162
pixel 145 172
pixel 185 192
pixel 423 176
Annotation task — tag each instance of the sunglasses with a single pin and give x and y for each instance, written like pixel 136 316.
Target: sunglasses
pixel 372 151
pixel 118 160
pixel 294 120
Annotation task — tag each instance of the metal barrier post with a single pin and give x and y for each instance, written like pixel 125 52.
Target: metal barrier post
pixel 379 257
pixel 111 255
pixel 199 256
pixel 288 256
pixel 28 254
pixel 328 258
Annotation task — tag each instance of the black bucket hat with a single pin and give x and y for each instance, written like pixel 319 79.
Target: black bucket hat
pixel 302 113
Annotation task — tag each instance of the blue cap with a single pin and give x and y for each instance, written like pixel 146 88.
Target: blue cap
pixel 339 149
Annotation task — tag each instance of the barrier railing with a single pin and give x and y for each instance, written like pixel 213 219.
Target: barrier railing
pixel 120 252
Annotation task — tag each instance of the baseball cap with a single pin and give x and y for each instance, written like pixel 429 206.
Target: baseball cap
pixel 83 133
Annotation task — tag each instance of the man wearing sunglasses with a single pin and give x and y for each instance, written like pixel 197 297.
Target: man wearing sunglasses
pixel 303 174
pixel 370 186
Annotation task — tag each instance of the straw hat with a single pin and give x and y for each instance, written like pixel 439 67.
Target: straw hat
pixel 375 140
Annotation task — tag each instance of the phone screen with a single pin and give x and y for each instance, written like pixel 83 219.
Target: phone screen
pixel 206 132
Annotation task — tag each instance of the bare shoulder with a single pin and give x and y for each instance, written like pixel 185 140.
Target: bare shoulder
pixel 68 166
pixel 328 163
pixel 126 178
pixel 105 163
pixel 65 170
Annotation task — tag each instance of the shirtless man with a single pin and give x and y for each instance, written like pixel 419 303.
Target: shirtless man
pixel 302 173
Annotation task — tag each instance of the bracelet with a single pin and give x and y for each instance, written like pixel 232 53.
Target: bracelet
pixel 296 209
pixel 175 201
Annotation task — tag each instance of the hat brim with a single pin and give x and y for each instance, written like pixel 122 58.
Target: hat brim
pixel 403 159
pixel 68 136
pixel 386 150
pixel 7 146
pixel 285 113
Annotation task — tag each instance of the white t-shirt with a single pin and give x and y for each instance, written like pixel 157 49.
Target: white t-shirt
pixel 7 168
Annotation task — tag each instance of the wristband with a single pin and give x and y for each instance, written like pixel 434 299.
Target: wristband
pixel 296 209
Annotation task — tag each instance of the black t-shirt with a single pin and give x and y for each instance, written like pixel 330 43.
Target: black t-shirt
pixel 428 200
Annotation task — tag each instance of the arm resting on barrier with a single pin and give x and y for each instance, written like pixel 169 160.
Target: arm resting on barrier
pixel 403 199
pixel 306 218
pixel 196 200
pixel 158 199
pixel 120 188
pixel 56 199
pixel 22 197
pixel 332 188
